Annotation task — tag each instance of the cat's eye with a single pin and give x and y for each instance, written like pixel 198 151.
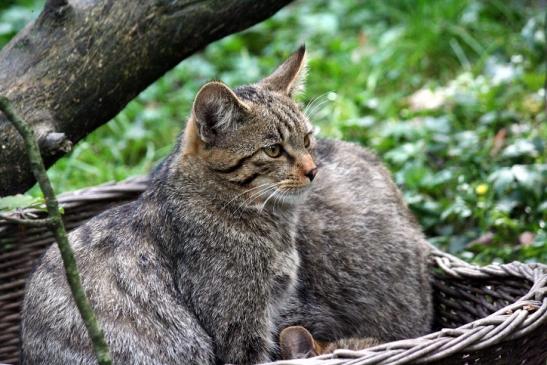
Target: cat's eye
pixel 273 150
pixel 307 141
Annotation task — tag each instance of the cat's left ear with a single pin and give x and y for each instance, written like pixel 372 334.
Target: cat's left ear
pixel 296 342
pixel 288 78
pixel 216 108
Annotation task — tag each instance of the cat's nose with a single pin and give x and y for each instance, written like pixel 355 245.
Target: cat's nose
pixel 311 173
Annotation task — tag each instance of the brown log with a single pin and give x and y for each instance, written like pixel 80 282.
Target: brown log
pixel 81 61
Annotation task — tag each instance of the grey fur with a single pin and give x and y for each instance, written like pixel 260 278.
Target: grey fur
pixel 363 269
pixel 170 282
pixel 200 270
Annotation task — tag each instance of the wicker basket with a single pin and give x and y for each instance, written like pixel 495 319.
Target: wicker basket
pixel 491 315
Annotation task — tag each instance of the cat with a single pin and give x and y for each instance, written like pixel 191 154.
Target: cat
pixel 225 246
pixel 363 258
pixel 296 342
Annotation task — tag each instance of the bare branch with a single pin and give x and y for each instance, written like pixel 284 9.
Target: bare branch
pixel 58 229
pixel 81 61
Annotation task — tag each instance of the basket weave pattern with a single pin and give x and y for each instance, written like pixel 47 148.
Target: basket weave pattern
pixel 483 315
pixel 489 315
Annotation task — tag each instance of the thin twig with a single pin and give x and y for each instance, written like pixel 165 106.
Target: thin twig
pixel 58 229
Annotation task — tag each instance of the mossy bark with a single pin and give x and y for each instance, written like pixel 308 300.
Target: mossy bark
pixel 80 62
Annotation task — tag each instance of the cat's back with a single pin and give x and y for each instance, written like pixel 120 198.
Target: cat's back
pixel 353 184
pixel 131 292
pixel 361 249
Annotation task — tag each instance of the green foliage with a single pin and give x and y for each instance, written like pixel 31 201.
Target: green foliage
pixel 20 201
pixel 449 93
pixel 14 15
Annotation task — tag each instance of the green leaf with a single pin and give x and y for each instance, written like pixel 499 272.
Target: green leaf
pixel 405 152
pixel 502 179
pixel 506 205
pixel 528 177
pixel 458 209
pixel 520 148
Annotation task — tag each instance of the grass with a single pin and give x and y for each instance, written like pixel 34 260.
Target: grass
pixel 449 93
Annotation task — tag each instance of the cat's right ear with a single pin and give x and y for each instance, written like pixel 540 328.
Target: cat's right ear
pixel 216 108
pixel 290 76
pixel 296 342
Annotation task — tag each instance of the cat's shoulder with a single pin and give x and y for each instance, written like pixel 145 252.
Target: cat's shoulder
pixel 98 241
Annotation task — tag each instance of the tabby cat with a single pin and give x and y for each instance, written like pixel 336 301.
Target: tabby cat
pixel 296 342
pixel 250 225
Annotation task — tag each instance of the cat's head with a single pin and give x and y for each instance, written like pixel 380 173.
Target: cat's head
pixel 296 342
pixel 255 136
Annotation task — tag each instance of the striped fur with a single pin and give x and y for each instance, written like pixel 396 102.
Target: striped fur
pixel 233 241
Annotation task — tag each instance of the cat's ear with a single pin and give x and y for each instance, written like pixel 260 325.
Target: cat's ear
pixel 288 78
pixel 296 342
pixel 216 108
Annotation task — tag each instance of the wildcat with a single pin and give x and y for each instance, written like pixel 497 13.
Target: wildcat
pixel 363 259
pixel 296 342
pixel 222 249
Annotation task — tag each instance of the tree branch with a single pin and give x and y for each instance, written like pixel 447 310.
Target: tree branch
pixel 58 229
pixel 81 61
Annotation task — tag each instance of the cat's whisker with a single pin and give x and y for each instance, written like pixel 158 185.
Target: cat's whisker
pixel 316 101
pixel 266 201
pixel 253 196
pixel 275 185
pixel 317 108
pixel 243 193
pixel 256 194
pixel 308 105
pixel 310 112
pixel 313 101
pixel 281 197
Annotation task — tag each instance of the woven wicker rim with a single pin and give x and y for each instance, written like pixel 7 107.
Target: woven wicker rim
pixel 511 322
